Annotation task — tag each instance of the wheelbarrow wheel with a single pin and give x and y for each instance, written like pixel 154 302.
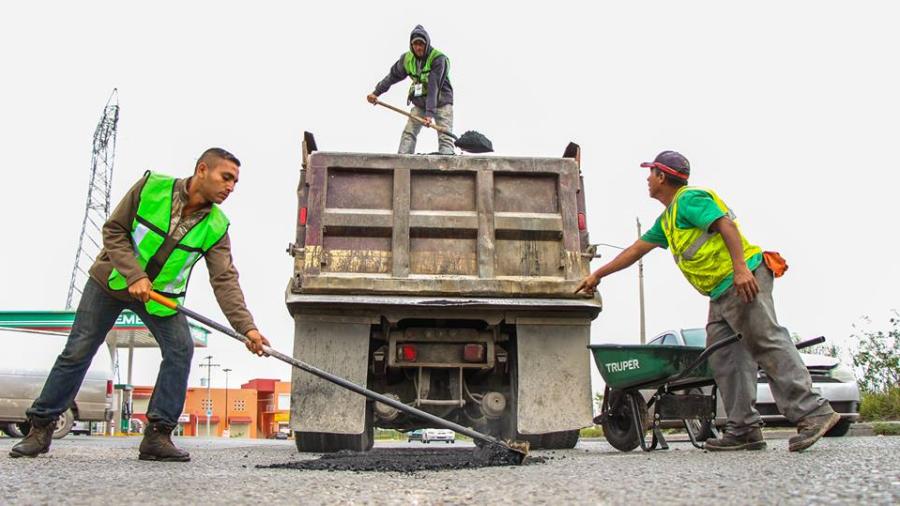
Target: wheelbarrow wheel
pixel 618 426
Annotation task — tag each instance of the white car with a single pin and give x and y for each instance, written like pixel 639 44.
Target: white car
pixel 24 368
pixel 834 381
pixel 445 435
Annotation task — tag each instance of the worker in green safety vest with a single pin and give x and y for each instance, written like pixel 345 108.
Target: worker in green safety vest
pixel 700 231
pixel 152 241
pixel 430 91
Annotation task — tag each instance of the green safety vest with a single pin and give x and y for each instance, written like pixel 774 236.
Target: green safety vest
pixel 701 255
pixel 170 272
pixel 421 75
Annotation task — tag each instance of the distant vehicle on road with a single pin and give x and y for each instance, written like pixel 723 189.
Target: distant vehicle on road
pixel 24 366
pixel 414 435
pixel 445 435
pixel 835 382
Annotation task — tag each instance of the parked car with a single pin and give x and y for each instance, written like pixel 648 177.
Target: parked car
pixel 833 380
pixel 24 367
pixel 414 435
pixel 445 435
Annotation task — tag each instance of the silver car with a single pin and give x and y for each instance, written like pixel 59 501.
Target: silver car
pixel 834 381
pixel 24 367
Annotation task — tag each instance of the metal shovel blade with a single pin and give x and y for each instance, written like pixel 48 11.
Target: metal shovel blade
pixel 474 142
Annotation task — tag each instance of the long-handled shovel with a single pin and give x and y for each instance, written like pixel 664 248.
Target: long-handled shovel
pixel 470 141
pixel 515 453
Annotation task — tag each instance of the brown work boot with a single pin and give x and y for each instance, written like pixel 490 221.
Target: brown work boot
pixel 810 429
pixel 752 440
pixel 157 445
pixel 38 439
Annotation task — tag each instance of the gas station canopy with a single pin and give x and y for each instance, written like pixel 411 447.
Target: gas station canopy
pixel 128 331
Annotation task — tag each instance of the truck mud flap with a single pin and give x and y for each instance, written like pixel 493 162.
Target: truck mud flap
pixel 554 375
pixel 339 345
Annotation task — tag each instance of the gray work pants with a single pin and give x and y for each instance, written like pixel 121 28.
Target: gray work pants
pixel 766 343
pixel 443 117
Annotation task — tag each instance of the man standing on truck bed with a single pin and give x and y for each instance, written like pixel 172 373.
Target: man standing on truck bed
pixel 737 276
pixel 430 92
pixel 151 242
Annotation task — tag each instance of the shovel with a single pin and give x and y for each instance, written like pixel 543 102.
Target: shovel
pixel 471 141
pixel 514 453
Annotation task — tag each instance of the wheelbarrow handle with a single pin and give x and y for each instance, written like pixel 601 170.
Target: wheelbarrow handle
pixel 705 355
pixel 417 118
pixel 810 342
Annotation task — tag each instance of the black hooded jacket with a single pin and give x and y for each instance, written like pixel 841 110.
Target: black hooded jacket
pixel 437 79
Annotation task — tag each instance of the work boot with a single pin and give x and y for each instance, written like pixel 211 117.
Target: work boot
pixel 38 439
pixel 810 429
pixel 752 440
pixel 157 445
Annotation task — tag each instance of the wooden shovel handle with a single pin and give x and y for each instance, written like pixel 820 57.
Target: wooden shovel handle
pixel 413 116
pixel 165 301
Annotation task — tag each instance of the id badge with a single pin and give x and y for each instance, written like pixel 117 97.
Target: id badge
pixel 417 90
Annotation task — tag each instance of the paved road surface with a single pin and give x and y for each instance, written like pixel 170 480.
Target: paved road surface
pixel 88 470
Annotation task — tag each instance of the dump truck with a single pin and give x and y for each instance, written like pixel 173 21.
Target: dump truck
pixel 444 282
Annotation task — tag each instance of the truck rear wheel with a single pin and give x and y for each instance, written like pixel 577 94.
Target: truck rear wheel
pixel 327 442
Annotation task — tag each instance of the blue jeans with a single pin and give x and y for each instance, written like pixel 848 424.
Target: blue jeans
pixel 96 315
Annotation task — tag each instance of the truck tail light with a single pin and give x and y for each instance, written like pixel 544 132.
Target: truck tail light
pixel 582 221
pixel 303 216
pixel 407 353
pixel 109 388
pixel 473 352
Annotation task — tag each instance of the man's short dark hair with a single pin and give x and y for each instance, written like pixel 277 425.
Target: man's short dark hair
pixel 671 180
pixel 211 155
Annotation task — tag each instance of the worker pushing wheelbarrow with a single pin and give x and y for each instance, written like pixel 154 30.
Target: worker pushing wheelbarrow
pixel 678 374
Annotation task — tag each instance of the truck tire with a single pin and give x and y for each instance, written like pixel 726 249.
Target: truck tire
pixel 562 440
pixel 619 429
pixel 328 442
pixel 840 429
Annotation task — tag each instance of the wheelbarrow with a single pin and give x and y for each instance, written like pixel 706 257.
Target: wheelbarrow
pixel 678 374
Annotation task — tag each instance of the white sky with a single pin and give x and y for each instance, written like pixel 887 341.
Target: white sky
pixel 788 109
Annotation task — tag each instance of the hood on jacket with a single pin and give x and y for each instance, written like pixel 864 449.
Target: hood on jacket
pixel 420 31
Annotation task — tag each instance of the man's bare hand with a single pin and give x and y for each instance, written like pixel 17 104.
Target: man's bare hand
pixel 256 343
pixel 588 285
pixel 428 122
pixel 745 284
pixel 140 289
pixel 372 98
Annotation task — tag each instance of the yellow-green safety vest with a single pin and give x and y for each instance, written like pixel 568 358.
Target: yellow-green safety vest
pixel 701 255
pixel 421 75
pixel 169 269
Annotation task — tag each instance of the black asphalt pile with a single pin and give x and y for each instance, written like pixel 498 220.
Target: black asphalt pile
pixel 408 460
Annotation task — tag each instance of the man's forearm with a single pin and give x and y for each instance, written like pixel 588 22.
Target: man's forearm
pixel 732 238
pixel 625 259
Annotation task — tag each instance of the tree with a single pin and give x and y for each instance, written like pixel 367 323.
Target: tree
pixel 877 356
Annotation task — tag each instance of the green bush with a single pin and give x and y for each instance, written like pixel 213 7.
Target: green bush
pixel 881 405
pixel 595 431
pixel 886 429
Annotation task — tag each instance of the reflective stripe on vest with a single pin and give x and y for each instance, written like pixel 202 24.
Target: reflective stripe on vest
pixel 410 64
pixel 150 230
pixel 701 255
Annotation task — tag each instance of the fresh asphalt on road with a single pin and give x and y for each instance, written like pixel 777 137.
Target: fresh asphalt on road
pixel 91 470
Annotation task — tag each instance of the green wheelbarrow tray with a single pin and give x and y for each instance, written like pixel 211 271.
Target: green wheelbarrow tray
pixel 631 366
